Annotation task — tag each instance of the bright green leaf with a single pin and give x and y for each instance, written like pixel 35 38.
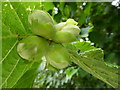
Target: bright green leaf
pixel 14 22
pixel 84 46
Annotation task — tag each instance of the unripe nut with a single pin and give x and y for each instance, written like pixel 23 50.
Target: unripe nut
pixel 64 37
pixel 58 56
pixel 72 29
pixel 32 48
pixel 41 24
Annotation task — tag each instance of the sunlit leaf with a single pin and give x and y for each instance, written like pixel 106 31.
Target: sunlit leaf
pixel 14 23
pixel 83 46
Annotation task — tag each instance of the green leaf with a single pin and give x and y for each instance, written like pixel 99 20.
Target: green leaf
pixel 84 13
pixel 83 46
pixel 70 72
pixel 91 63
pixel 95 53
pixel 48 5
pixel 87 9
pixel 70 47
pixel 14 23
pixel 27 80
pixel 67 11
pixel 61 7
pixel 85 31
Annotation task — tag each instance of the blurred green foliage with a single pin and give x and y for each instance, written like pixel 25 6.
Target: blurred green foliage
pixel 104 34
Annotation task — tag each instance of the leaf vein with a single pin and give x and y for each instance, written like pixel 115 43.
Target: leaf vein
pixel 18 18
pixel 21 74
pixel 8 52
pixel 11 72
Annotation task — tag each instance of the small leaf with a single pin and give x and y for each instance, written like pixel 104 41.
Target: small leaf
pixel 85 31
pixel 83 46
pixel 70 72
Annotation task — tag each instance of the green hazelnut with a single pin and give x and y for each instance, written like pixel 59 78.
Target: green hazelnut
pixel 32 48
pixel 64 37
pixel 41 24
pixel 66 31
pixel 72 29
pixel 57 56
pixel 59 26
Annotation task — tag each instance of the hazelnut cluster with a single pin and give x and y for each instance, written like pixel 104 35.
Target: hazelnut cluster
pixel 47 39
